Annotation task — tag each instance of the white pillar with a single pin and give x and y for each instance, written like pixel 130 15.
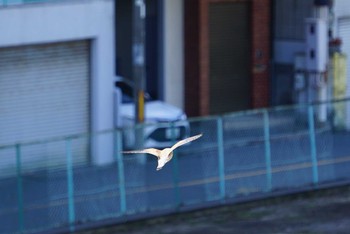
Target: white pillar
pixel 173 52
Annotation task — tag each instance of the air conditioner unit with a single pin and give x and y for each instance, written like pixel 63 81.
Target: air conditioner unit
pixel 316 45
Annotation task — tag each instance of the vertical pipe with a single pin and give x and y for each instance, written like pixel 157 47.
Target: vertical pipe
pixel 175 168
pixel 267 150
pixel 139 58
pixel 19 189
pixel 70 184
pixel 313 144
pixel 221 158
pixel 121 175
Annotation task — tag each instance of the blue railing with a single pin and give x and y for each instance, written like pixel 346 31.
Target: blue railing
pixel 54 185
pixel 16 2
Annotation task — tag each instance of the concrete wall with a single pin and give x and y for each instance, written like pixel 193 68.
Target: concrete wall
pixel 72 20
pixel 285 50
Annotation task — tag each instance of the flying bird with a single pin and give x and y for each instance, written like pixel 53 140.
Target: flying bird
pixel 166 154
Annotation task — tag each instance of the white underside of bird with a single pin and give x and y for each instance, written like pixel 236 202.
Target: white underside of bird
pixel 166 154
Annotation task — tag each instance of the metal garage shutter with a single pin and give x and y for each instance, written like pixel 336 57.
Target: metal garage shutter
pixel 44 92
pixel 344 34
pixel 229 49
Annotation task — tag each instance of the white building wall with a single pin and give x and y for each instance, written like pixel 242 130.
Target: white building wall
pixel 73 20
pixel 341 8
pixel 341 11
pixel 173 52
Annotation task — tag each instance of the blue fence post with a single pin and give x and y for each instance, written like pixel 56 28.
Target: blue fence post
pixel 70 185
pixel 267 150
pixel 175 169
pixel 313 144
pixel 121 174
pixel 221 158
pixel 19 189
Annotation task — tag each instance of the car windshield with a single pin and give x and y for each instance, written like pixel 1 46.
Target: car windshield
pixel 127 92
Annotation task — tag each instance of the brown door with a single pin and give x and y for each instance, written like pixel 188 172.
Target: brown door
pixel 229 57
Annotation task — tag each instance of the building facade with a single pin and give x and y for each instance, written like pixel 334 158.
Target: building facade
pixel 56 74
pixel 227 55
pixel 58 65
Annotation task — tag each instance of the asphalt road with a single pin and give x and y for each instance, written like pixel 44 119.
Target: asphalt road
pixel 321 212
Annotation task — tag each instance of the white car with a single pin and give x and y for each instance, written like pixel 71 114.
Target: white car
pixel 164 124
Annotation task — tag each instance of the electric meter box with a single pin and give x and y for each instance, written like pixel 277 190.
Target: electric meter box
pixel 316 45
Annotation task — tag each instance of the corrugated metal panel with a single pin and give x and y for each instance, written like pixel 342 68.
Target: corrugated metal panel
pixel 229 53
pixel 290 16
pixel 44 92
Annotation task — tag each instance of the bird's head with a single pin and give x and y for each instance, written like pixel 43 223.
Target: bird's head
pixel 161 164
pixel 165 157
pixel 158 168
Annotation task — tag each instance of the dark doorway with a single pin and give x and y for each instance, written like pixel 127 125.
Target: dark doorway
pixel 229 57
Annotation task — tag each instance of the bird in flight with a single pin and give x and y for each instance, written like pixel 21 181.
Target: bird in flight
pixel 166 154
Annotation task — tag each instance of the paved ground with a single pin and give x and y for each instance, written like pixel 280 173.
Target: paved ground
pixel 326 211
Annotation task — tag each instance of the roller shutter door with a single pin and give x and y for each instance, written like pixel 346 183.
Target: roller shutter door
pixel 44 93
pixel 229 51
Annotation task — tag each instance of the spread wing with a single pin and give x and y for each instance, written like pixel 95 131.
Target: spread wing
pixel 153 151
pixel 184 141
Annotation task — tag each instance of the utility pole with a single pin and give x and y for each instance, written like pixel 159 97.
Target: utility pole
pixel 139 71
